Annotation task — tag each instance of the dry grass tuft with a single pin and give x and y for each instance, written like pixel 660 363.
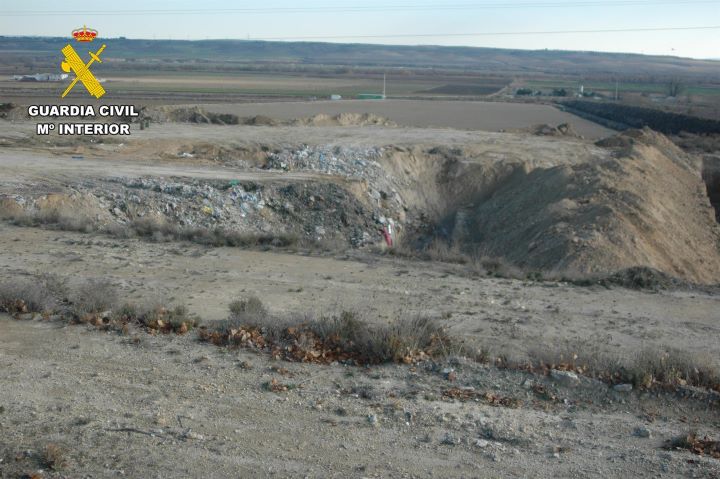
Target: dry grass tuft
pixel 342 337
pixel 93 296
pixel 691 442
pixel 644 369
pixel 153 319
pixel 54 457
pixel 26 296
pixel 94 302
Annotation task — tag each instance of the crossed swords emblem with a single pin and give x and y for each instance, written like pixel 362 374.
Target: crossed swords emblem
pixel 82 71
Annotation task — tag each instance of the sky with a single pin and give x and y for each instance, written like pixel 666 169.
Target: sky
pixel 487 23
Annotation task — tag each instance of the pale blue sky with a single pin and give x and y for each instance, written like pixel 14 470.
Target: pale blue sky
pixel 325 18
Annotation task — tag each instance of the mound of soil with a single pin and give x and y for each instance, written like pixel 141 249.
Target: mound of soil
pixel 191 115
pixel 260 120
pixel 646 206
pixel 563 129
pixel 344 119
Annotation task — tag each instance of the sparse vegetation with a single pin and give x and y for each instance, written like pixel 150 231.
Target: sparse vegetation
pixel 153 230
pixel 93 296
pixel 646 368
pixel 696 445
pixel 94 302
pixel 21 296
pixel 54 457
pixel 477 263
pixel 342 337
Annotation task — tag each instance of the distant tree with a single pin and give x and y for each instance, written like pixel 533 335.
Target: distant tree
pixel 523 92
pixel 675 88
pixel 559 92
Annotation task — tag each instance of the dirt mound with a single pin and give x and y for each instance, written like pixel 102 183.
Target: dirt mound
pixel 344 119
pixel 564 129
pixel 646 206
pixel 260 120
pixel 196 114
pixel 191 115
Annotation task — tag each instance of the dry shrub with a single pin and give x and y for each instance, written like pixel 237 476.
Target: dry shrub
pixel 26 296
pixel 156 318
pixel 55 217
pixel 403 340
pixel 54 457
pixel 248 312
pixel 644 369
pixel 670 366
pixel 93 296
pixel 342 337
pixel 159 230
pixel 151 229
pixel 92 302
pixel 694 444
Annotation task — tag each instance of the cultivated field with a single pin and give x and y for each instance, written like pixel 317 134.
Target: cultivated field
pixel 483 116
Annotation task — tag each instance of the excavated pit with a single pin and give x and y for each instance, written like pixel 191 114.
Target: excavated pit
pixel 711 177
pixel 643 205
pixel 552 204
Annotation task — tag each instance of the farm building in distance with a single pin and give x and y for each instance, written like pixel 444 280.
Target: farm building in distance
pixel 42 77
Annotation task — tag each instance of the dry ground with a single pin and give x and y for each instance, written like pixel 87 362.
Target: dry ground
pixel 471 115
pixel 169 407
pixel 149 406
pixel 508 316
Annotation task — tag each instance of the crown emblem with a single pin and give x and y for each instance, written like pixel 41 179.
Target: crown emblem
pixel 84 34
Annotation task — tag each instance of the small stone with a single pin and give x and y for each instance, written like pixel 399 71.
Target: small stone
pixel 623 388
pixel 449 374
pixel 482 443
pixel 372 419
pixel 641 431
pixel 449 439
pixel 568 378
pixel 193 435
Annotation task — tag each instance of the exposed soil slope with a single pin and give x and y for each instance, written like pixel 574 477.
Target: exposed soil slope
pixel 647 205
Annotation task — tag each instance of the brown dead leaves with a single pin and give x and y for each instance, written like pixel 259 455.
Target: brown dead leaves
pixel 467 394
pixel 277 387
pixel 300 344
pixel 691 442
pixel 14 306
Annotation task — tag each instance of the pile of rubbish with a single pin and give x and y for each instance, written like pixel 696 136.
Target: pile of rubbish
pixel 338 160
pixel 314 210
pixel 191 203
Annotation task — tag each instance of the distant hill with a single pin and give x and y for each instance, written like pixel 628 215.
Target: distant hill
pixel 248 55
